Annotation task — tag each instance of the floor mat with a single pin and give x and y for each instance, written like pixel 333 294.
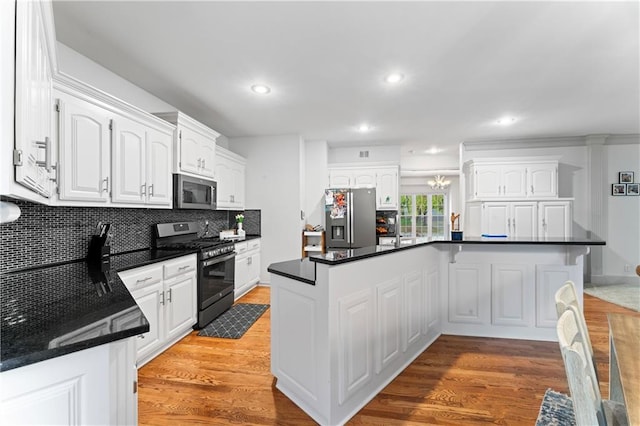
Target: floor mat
pixel 626 295
pixel 235 322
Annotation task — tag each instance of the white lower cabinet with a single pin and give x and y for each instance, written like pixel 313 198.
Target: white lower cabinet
pixel 469 300
pixel 166 294
pixel 554 219
pixel 247 266
pixel 93 386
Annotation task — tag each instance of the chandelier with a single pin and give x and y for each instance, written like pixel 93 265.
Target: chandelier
pixel 439 182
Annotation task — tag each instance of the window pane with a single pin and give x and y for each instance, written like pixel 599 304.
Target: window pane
pixel 406 215
pixel 421 205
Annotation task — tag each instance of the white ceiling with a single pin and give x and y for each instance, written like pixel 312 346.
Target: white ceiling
pixel 561 68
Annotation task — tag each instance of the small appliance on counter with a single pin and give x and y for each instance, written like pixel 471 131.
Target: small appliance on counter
pixel 99 252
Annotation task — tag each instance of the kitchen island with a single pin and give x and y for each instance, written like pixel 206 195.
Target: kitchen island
pixel 345 324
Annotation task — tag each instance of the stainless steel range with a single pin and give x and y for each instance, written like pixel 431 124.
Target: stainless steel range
pixel 216 266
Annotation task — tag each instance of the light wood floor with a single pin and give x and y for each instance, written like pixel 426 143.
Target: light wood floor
pixel 457 381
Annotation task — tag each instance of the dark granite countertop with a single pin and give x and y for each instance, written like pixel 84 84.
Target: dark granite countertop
pixel 302 271
pixel 55 310
pixel 298 269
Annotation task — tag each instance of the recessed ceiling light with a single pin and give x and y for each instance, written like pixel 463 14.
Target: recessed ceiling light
pixel 261 89
pixel 505 121
pixel 394 78
pixel 364 128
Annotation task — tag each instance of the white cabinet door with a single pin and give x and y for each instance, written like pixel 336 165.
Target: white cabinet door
pixel 365 178
pixel 495 218
pixel 554 219
pixel 190 155
pixel 180 294
pixel 387 189
pixel 513 181
pixel 129 162
pixel 71 389
pixel 469 300
pixel 488 181
pixel 523 222
pixel 254 267
pixel 34 149
pixel 159 183
pixel 340 178
pixel 542 180
pixel 238 172
pixel 223 179
pixel 85 150
pixel 151 301
pixel 208 157
pixel 512 293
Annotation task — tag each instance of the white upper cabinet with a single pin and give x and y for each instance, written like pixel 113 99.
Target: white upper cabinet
pixel 129 162
pixel 194 145
pixel 35 62
pixel 387 188
pixel 159 182
pixel 230 177
pixel 554 219
pixel 109 151
pixel 383 179
pixel 542 180
pixel 513 180
pixel 141 164
pixel 84 168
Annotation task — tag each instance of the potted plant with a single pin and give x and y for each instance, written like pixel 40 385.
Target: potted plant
pixel 239 220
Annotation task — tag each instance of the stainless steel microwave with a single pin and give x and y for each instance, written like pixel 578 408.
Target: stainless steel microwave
pixel 193 193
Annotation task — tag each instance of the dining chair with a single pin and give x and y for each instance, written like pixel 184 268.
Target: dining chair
pixel 589 407
pixel 566 296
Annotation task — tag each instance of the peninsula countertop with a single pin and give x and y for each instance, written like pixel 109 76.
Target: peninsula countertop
pixel 48 311
pixel 304 270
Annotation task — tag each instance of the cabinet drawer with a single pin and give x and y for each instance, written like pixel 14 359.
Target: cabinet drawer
pixel 241 247
pixel 179 266
pixel 141 277
pixel 253 244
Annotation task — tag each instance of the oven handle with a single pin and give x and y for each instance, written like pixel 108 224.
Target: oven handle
pixel 219 259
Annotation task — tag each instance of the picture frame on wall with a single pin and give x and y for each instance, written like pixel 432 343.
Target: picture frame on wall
pixel 625 177
pixel 633 189
pixel 618 189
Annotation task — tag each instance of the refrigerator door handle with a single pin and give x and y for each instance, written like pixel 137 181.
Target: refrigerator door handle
pixel 349 217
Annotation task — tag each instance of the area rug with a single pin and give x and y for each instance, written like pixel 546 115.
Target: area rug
pixel 626 295
pixel 235 322
pixel 556 410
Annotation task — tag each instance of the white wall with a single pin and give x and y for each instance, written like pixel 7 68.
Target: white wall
pixel 273 186
pixel 351 155
pixel 84 69
pixel 623 216
pixel 317 180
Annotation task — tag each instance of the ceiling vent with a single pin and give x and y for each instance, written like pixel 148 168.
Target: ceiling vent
pixel 364 154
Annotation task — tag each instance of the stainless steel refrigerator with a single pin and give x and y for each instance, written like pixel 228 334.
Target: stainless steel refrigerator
pixel 350 217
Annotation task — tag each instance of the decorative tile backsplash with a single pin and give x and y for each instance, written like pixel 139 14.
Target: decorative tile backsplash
pixel 44 234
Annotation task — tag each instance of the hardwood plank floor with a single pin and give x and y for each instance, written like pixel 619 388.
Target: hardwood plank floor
pixel 457 381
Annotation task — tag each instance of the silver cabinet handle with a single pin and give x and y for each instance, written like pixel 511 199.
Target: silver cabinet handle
pixel 203 163
pixel 106 184
pixel 182 268
pixel 169 296
pixel 199 162
pixel 143 280
pixel 151 190
pixel 532 189
pixel 504 189
pixel 46 145
pixel 162 298
pixel 509 223
pixel 499 190
pixel 143 189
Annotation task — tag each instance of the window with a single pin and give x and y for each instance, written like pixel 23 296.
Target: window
pixel 422 215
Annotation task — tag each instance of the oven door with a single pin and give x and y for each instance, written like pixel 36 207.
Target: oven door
pixel 216 279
